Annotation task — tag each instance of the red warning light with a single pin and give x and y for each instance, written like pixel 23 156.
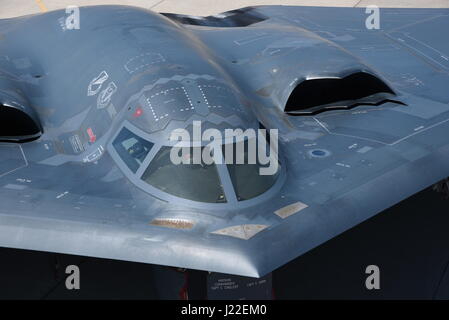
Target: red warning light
pixel 138 112
pixel 92 136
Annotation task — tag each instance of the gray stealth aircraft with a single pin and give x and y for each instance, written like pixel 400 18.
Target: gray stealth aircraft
pixel 86 114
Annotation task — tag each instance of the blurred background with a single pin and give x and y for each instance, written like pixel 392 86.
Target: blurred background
pixel 10 8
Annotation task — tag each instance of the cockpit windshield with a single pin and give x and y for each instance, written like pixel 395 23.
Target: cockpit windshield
pixel 246 178
pixel 237 177
pixel 197 182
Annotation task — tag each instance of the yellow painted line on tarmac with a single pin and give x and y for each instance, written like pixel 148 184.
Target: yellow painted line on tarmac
pixel 41 5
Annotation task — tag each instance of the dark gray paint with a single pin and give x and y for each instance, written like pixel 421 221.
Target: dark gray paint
pixel 64 193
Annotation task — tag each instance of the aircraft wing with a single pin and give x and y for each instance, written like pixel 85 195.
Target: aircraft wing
pixel 362 114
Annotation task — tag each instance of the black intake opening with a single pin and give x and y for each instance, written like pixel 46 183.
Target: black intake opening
pixel 16 125
pixel 328 92
pixel 235 18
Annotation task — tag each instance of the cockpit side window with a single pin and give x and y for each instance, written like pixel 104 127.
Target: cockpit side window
pixel 131 148
pixel 246 178
pixel 197 182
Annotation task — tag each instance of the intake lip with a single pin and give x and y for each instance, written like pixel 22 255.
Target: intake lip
pixel 319 94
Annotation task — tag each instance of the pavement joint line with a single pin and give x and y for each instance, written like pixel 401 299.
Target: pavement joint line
pixel 156 4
